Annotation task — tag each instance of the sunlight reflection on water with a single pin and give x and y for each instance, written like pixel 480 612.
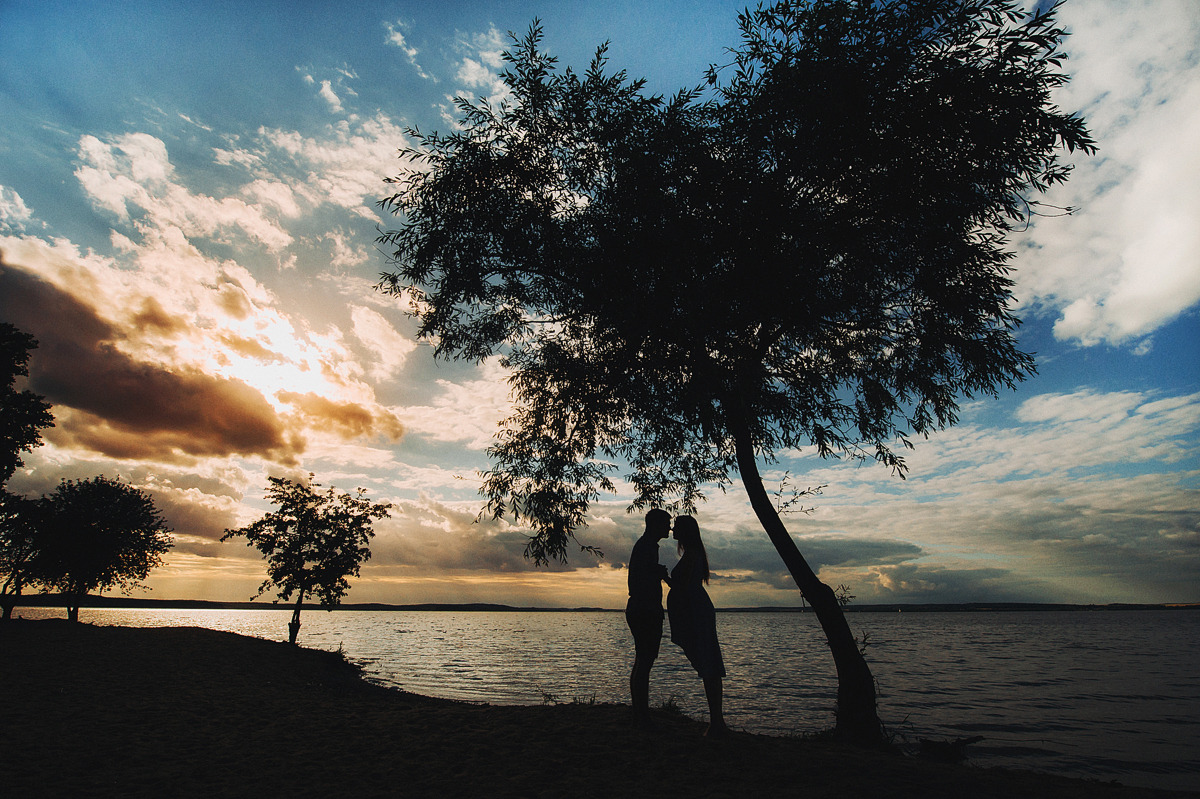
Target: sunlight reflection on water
pixel 1106 695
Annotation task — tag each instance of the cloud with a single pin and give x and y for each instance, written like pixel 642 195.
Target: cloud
pixel 352 420
pixel 1089 496
pixel 127 408
pixel 396 37
pixel 345 251
pixel 432 535
pixel 467 411
pixel 344 167
pixel 919 583
pixel 274 193
pixel 478 72
pixel 132 177
pixel 327 94
pixel 389 347
pixel 199 518
pixel 14 214
pixel 1128 261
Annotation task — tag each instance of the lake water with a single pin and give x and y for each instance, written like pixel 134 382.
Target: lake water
pixel 1111 695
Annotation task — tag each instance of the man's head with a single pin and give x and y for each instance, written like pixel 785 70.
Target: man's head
pixel 658 523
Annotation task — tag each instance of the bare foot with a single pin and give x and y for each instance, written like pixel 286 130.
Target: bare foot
pixel 718 730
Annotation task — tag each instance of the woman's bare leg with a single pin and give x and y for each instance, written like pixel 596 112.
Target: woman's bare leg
pixel 713 690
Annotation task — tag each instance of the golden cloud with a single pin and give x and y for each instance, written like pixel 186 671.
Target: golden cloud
pixel 129 408
pixel 349 418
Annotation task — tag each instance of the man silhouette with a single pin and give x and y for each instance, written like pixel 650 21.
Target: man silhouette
pixel 644 611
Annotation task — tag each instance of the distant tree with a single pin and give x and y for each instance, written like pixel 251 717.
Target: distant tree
pixel 21 523
pixel 100 533
pixel 312 543
pixel 808 252
pixel 23 414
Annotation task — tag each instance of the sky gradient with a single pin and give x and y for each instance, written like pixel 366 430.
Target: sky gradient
pixel 188 223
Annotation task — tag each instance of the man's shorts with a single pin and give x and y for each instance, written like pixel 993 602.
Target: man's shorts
pixel 646 624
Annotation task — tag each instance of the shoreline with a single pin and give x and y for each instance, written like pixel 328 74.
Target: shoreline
pixel 140 603
pixel 187 711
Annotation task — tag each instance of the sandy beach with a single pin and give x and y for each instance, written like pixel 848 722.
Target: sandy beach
pixel 116 711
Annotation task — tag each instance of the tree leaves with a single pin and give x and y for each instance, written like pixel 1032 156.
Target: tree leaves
pixel 23 414
pixel 812 247
pixel 314 541
pixel 99 533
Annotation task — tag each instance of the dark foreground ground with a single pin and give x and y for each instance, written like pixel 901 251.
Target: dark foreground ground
pixel 116 711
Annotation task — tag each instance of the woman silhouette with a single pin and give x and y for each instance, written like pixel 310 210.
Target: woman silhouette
pixel 694 620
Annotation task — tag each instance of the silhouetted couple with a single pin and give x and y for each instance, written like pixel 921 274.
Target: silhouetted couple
pixel 693 619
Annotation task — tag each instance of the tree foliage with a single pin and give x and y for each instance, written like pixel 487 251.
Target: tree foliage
pixel 806 251
pixel 21 523
pixel 23 414
pixel 815 246
pixel 313 542
pixel 98 534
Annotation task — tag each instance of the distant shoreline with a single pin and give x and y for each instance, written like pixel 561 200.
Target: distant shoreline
pixel 132 603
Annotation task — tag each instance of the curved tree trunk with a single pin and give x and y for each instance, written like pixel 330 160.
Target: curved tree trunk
pixel 857 719
pixel 294 624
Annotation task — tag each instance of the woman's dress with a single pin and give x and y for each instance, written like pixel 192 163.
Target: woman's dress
pixel 694 620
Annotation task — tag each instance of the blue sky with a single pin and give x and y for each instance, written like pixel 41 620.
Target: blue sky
pixel 187 223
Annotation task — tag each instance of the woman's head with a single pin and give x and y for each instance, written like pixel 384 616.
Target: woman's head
pixel 687 533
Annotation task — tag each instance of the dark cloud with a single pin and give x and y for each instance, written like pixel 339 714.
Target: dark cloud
pixel 348 418
pixel 917 583
pixel 126 408
pixel 751 551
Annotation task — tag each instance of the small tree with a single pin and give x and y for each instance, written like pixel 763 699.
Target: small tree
pixel 23 414
pixel 100 533
pixel 312 543
pixel 21 521
pixel 812 254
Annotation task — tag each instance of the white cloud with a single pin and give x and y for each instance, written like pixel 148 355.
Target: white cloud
pixel 469 411
pixel 329 96
pixel 346 250
pixel 396 37
pixel 273 193
pixel 133 171
pixel 1086 487
pixel 480 68
pixel 1128 261
pixel 389 347
pixel 14 214
pixel 475 74
pixel 344 167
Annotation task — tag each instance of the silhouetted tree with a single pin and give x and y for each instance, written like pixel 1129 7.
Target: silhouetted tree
pixel 808 252
pixel 21 522
pixel 99 533
pixel 312 543
pixel 23 414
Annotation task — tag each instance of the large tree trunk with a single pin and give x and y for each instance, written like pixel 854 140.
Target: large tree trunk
pixel 294 624
pixel 857 719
